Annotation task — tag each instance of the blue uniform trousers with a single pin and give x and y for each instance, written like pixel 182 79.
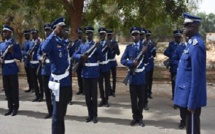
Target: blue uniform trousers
pixel 173 75
pixel 146 88
pixel 196 122
pixel 27 70
pixel 91 93
pixel 80 79
pixel 137 100
pixel 150 80
pixel 113 73
pixel 48 93
pixel 104 94
pixel 11 87
pixel 58 126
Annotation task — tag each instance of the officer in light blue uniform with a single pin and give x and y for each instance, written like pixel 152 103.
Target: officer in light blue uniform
pixel 54 46
pixel 25 48
pixel 114 50
pixel 190 88
pixel 174 62
pixel 90 72
pixel 46 71
pixel 137 79
pixel 104 68
pixel 169 52
pixel 151 52
pixel 77 44
pixel 147 67
pixel 11 51
pixel 33 65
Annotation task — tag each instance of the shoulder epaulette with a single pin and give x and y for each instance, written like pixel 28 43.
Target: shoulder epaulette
pixel 195 41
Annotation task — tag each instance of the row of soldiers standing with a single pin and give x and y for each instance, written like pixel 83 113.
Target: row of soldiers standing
pixel 50 63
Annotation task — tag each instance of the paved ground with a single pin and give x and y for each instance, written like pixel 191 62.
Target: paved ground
pixel 161 118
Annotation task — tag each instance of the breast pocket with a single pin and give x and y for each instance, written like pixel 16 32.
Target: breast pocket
pixel 186 61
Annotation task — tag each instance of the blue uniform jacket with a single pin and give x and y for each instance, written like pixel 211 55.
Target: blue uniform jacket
pixel 34 62
pixel 46 68
pixel 170 50
pixel 151 51
pixel 25 49
pixel 130 53
pixel 114 49
pixel 104 64
pixel 71 49
pixel 91 66
pixel 176 57
pixel 10 68
pixel 190 88
pixel 57 50
pixel 77 44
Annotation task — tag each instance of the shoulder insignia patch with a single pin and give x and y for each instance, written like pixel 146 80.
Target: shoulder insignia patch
pixel 195 41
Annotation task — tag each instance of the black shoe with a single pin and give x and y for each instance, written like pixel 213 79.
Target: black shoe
pixel 182 124
pixel 101 103
pixel 78 93
pixel 113 94
pixel 48 116
pixel 40 100
pixel 150 97
pixel 146 107
pixel 107 104
pixel 27 91
pixel 14 113
pixel 88 119
pixel 175 106
pixel 32 91
pixel 8 112
pixel 95 119
pixel 133 122
pixel 141 123
pixel 36 99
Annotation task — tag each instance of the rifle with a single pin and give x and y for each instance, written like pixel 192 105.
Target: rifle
pixel 132 70
pixel 5 53
pixel 167 63
pixel 44 56
pixel 87 53
pixel 30 52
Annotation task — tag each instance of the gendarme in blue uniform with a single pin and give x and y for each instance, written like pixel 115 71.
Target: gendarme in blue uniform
pixel 127 59
pixel 10 67
pixel 91 66
pixel 190 88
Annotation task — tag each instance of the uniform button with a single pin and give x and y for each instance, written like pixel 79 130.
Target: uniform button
pixel 179 60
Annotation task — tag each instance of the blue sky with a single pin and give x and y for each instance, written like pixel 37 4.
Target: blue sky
pixel 207 6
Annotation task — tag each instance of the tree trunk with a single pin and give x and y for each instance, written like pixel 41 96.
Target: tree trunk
pixel 75 10
pixel 76 17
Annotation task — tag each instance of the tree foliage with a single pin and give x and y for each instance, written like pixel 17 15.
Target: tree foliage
pixel 161 16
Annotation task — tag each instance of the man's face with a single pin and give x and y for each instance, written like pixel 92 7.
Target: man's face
pixel 80 35
pixel 189 29
pixel 102 36
pixel 178 38
pixel 141 36
pixel 34 35
pixel 136 37
pixel 47 32
pixel 109 36
pixel 148 36
pixel 89 35
pixel 63 32
pixel 27 36
pixel 6 34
